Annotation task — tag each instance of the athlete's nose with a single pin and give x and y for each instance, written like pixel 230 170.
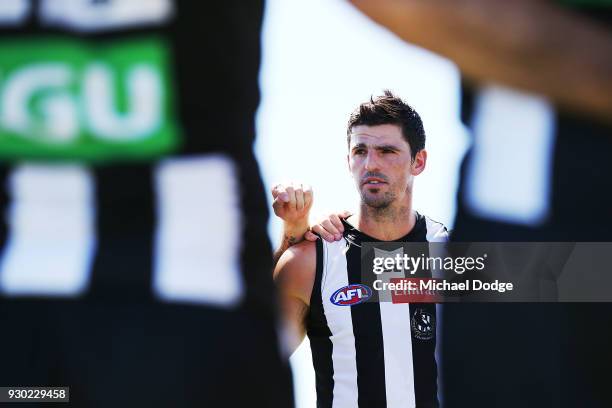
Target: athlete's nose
pixel 371 161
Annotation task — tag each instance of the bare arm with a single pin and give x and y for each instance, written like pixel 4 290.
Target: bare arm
pixel 292 234
pixel 294 275
pixel 292 204
pixel 533 45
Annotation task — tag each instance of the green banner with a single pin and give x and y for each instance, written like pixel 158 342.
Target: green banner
pixel 65 99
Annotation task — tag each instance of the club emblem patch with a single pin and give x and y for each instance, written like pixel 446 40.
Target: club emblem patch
pixel 423 325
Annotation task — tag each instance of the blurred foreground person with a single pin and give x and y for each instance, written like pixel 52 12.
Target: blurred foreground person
pixel 538 99
pixel 134 252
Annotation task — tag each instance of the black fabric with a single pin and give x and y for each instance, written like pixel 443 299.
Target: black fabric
pixel 417 234
pixel 368 332
pixel 581 165
pixel 367 329
pixel 535 355
pixel 4 204
pixel 256 265
pixel 423 359
pixel 531 354
pixel 122 266
pixel 135 354
pixel 319 336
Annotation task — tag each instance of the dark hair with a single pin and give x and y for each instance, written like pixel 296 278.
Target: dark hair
pixel 388 109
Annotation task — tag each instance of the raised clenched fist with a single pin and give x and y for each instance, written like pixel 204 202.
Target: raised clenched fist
pixel 292 202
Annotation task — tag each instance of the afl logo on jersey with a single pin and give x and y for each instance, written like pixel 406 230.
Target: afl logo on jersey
pixel 423 325
pixel 351 295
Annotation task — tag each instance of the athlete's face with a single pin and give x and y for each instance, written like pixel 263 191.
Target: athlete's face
pixel 381 164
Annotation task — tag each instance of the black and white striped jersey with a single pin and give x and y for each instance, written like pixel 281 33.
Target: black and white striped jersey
pixel 126 163
pixel 369 355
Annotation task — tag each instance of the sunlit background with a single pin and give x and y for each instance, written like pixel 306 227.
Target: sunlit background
pixel 321 59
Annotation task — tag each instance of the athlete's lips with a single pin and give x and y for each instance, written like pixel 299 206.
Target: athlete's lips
pixel 373 181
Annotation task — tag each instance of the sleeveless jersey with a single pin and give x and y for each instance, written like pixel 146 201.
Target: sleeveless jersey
pixel 372 354
pixel 126 164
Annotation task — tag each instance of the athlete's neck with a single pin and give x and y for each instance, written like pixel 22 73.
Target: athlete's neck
pixel 386 224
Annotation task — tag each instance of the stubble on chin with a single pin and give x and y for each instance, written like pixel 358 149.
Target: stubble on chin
pixel 378 201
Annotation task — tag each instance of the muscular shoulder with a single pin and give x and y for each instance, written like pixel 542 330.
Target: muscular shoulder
pixel 296 269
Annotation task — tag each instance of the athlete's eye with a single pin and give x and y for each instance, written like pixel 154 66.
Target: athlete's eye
pixel 359 151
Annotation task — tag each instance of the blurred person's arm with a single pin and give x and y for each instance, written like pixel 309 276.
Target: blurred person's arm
pixel 534 45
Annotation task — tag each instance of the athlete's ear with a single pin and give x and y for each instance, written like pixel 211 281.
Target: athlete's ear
pixel 348 162
pixel 419 162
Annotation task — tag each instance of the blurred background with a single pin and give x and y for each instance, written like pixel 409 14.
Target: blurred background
pixel 314 73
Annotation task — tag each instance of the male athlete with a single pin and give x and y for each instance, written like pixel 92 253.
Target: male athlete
pixel 538 99
pixel 364 355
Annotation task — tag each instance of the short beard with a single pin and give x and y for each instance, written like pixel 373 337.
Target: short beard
pixel 380 207
pixel 378 202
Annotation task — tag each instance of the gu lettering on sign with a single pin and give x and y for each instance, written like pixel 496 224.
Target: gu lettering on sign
pixel 86 98
pixel 67 99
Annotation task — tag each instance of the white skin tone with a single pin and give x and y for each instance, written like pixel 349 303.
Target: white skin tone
pixel 292 203
pixel 383 169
